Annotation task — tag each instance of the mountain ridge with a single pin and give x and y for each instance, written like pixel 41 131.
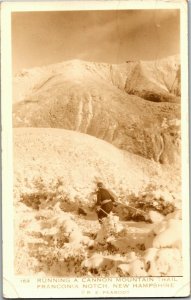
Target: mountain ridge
pixel 118 74
pixel 99 100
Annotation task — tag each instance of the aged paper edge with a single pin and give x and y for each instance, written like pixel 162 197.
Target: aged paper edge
pixel 26 287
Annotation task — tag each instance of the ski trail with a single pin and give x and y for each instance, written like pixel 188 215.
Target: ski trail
pixel 79 116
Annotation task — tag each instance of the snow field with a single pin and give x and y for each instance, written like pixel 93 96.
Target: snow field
pixel 55 174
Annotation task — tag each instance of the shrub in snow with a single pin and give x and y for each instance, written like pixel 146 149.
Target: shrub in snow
pixel 177 215
pixel 148 201
pixel 135 205
pixel 123 269
pixel 95 263
pixel 23 260
pixel 58 242
pixel 104 265
pixel 138 206
pixel 111 228
pixel 163 262
pixel 134 268
pixel 163 256
pixel 168 234
pixel 42 195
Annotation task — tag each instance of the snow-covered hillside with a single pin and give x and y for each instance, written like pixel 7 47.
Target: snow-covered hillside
pixel 106 101
pixel 77 123
pixel 55 173
pixel 160 76
pixel 65 153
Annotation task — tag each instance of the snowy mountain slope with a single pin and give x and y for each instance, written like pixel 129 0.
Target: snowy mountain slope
pixel 96 125
pixel 152 76
pixel 80 160
pixel 158 77
pixel 59 169
pixel 92 98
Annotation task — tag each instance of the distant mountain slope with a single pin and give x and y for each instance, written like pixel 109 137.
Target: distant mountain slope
pixel 142 76
pixel 95 99
pixel 157 81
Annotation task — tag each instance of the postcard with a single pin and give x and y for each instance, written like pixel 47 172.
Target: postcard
pixel 95 149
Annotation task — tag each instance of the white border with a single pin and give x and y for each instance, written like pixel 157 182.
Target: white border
pixel 12 284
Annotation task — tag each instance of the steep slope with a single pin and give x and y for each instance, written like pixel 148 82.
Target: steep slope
pixel 94 98
pixel 80 160
pixel 133 76
pixel 157 81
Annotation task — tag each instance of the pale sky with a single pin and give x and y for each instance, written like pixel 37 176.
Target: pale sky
pixel 42 38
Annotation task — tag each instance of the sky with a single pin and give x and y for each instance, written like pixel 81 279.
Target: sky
pixel 42 38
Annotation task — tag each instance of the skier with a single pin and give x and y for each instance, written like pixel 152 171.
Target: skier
pixel 104 202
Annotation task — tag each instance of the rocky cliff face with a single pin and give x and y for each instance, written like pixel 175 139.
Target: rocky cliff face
pixel 108 102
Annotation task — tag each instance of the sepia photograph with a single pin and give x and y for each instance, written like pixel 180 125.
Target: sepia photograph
pixel 97 144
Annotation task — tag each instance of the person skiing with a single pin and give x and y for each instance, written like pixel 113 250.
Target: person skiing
pixel 104 202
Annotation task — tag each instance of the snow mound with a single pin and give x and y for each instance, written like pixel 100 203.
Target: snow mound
pixel 155 216
pixel 168 234
pixel 163 262
pixel 111 228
